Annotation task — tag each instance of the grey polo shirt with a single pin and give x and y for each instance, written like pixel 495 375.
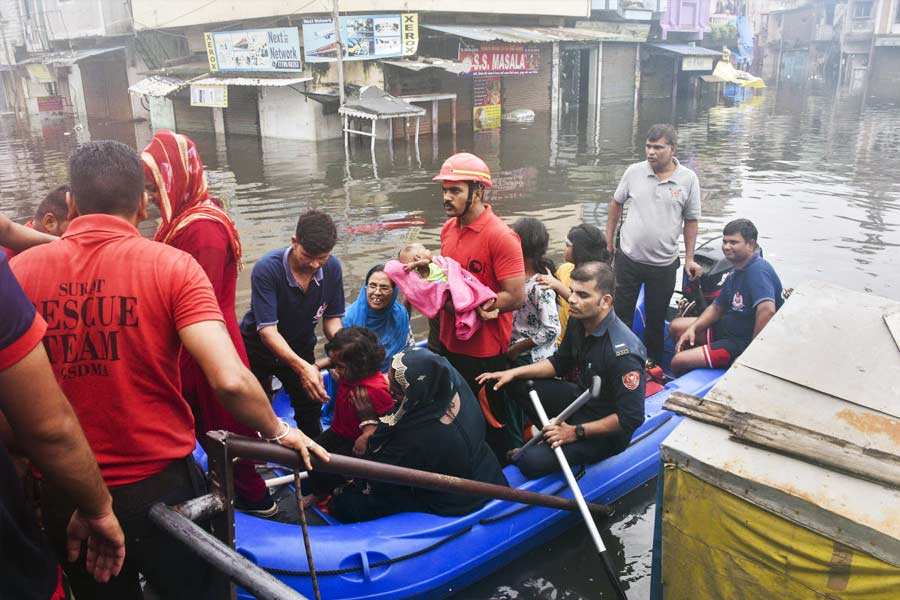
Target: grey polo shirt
pixel 657 211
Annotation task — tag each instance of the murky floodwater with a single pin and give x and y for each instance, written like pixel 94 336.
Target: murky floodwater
pixel 820 178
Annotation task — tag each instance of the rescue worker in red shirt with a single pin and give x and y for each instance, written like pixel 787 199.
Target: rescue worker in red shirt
pixel 119 308
pixel 484 245
pixel 37 420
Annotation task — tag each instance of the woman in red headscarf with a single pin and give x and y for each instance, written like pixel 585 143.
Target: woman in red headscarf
pixel 196 223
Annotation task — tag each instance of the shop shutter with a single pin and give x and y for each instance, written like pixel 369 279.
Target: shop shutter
pixel 530 91
pixel 617 72
pixel 242 114
pixel 191 118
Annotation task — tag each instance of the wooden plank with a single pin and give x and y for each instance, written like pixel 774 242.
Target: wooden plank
pixel 810 446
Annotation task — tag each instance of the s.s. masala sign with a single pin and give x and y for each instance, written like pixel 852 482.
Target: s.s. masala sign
pixel 501 59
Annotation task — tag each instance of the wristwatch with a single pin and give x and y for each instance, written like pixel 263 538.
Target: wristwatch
pixel 579 432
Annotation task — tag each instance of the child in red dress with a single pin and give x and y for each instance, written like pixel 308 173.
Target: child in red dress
pixel 356 356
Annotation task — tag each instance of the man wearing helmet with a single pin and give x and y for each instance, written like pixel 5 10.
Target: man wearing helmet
pixel 484 245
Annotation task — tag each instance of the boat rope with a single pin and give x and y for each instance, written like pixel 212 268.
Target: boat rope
pixel 452 536
pixel 375 565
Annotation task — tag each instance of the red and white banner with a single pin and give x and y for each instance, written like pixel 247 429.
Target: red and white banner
pixel 501 59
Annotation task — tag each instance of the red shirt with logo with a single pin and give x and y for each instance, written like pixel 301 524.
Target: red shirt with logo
pixel 114 302
pixel 492 252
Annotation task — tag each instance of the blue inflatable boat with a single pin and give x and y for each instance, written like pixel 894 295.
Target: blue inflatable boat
pixel 417 555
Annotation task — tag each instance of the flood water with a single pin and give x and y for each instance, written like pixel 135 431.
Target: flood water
pixel 820 178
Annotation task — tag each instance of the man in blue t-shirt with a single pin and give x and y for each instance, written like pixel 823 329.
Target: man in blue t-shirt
pixel 749 298
pixel 292 289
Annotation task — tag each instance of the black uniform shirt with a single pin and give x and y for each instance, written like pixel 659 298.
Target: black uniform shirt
pixel 613 352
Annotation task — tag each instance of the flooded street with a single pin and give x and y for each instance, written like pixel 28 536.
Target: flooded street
pixel 820 178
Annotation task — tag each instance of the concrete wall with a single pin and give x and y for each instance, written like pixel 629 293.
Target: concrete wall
pixel 150 14
pixel 162 113
pixel 73 19
pixel 86 18
pixel 12 31
pixel 286 113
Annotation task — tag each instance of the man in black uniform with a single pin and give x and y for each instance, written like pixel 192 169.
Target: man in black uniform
pixel 596 343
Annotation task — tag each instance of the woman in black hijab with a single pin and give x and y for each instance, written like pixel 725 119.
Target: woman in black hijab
pixel 438 427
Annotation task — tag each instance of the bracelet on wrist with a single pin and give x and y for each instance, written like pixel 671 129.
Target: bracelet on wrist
pixel 369 422
pixel 285 430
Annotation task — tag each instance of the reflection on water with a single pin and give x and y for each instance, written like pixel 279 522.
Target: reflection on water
pixel 818 177
pixel 568 567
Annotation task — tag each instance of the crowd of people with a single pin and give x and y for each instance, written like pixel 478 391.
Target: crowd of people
pixel 142 352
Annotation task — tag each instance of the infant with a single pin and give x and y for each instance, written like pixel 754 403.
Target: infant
pixel 417 257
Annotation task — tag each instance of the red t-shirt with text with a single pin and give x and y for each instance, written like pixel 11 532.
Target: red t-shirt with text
pixel 114 303
pixel 492 252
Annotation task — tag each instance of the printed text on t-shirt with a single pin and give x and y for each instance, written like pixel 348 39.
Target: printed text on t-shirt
pixel 84 326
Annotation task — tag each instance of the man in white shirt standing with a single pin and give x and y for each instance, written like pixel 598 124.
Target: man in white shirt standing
pixel 664 200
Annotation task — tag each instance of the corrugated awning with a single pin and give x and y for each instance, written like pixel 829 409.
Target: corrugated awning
pixel 686 50
pixel 251 81
pixel 374 103
pixel 157 86
pixel 531 35
pixel 68 57
pixel 418 64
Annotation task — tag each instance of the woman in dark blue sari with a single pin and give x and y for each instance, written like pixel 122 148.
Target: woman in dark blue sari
pixel 376 308
pixel 438 426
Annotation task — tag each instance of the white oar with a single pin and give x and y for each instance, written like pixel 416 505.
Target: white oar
pixel 565 414
pixel 579 498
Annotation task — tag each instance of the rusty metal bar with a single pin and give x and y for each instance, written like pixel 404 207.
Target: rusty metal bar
pixel 224 559
pixel 201 508
pixel 221 483
pixel 242 447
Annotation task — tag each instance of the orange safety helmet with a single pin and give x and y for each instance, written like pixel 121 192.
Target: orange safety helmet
pixel 465 167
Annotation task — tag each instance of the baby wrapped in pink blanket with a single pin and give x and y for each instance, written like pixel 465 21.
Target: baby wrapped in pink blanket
pixel 428 280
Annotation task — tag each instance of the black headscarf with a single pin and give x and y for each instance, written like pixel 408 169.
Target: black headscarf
pixel 429 384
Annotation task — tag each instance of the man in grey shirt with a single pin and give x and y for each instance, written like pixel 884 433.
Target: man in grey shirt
pixel 664 201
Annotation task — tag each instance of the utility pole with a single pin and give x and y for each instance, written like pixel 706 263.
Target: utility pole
pixel 340 49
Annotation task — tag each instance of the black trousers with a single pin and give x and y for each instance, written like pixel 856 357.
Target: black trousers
pixel 509 436
pixel 323 484
pixel 659 284
pixel 555 395
pixel 172 570
pixel 307 411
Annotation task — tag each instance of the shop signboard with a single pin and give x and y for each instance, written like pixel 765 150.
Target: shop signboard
pixel 213 96
pixel 697 63
pixel 364 37
pixel 266 50
pixel 49 104
pixel 39 72
pixel 486 111
pixel 501 59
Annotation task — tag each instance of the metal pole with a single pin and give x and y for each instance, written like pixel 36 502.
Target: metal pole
pixel 579 498
pixel 565 414
pixel 242 447
pixel 340 49
pixel 304 526
pixel 255 580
